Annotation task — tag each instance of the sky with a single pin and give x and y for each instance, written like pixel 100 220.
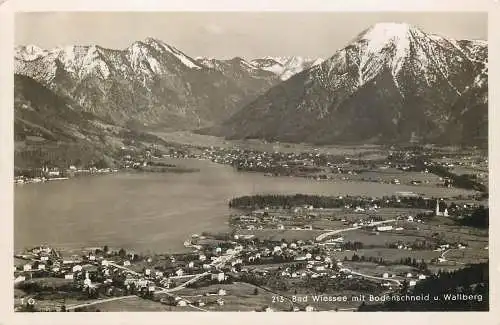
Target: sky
pixel 229 34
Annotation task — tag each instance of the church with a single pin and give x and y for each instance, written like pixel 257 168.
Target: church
pixel 440 213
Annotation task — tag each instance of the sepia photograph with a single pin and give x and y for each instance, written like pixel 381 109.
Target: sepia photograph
pixel 250 161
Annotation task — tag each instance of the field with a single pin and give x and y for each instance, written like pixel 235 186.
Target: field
pixel 377 239
pixel 135 304
pixel 395 255
pixel 189 138
pixel 239 297
pixel 390 174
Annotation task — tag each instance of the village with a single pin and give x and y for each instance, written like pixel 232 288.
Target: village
pixel 371 247
pixel 281 249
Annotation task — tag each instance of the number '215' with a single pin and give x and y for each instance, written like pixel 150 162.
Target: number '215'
pixel 278 299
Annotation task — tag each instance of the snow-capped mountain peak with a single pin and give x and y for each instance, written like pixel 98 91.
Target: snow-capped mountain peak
pixel 285 67
pixel 29 52
pixel 162 47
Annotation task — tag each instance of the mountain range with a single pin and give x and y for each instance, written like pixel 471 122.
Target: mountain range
pixel 150 83
pixel 391 83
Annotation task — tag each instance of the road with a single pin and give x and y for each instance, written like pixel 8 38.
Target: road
pixel 373 277
pixel 72 307
pixel 123 268
pixel 334 232
pixel 216 263
pixel 443 255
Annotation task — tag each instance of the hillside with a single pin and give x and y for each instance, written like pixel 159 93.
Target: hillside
pixel 53 129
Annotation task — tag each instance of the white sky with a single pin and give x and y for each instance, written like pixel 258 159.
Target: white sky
pixel 226 34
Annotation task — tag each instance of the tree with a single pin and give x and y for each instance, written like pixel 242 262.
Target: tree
pixel 122 253
pixel 255 291
pixel 105 249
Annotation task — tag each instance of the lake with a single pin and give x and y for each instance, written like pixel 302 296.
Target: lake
pixel 156 212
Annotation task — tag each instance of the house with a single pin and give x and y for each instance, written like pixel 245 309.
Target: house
pixel 69 276
pixel 41 266
pixel 221 292
pixel 200 303
pixel 104 263
pixel 220 302
pixel 218 276
pixel 385 275
pixel 309 308
pixel 422 277
pixel 179 272
pixel 27 267
pixel 20 279
pixel 182 303
pixel 384 228
pixel 202 257
pixel 281 227
pixel 87 282
pixel 191 264
pixel 147 272
pixel 126 263
pixel 142 283
pixel 412 283
pixel 268 309
pixel 44 258
pixel 409 275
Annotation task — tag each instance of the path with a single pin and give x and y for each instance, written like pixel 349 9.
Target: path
pixel 374 277
pixel 72 307
pixel 334 232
